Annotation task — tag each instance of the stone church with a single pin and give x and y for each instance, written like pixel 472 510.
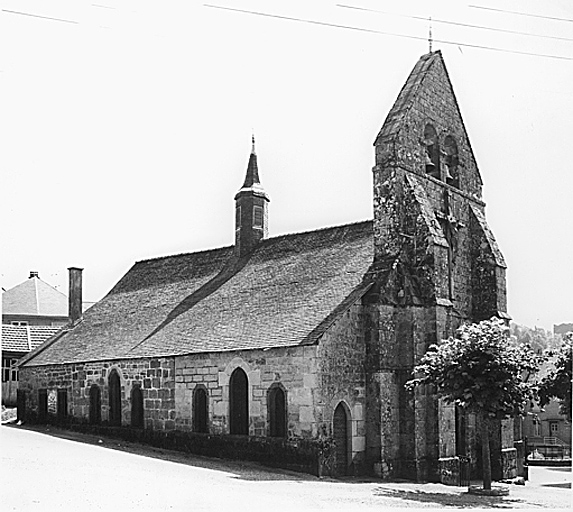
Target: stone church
pixel 310 335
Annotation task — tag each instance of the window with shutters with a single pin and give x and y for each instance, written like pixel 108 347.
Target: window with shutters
pixel 258 216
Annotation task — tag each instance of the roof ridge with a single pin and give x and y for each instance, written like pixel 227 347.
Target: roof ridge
pixel 185 253
pixel 276 237
pixel 327 228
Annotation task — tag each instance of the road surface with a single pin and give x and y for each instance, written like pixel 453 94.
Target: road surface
pixel 52 471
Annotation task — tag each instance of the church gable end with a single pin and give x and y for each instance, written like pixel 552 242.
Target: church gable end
pixel 437 265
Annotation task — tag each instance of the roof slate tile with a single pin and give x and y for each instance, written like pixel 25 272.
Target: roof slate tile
pixel 208 301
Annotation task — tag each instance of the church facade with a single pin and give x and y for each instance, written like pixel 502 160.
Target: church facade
pixel 309 335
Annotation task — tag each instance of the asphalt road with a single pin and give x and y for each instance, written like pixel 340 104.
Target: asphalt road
pixel 52 471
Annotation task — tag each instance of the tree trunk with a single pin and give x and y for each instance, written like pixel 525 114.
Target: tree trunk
pixel 485 455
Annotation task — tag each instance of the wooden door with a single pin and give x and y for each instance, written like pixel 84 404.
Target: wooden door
pixel 340 434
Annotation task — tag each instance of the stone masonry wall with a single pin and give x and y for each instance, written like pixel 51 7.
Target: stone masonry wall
pixel 294 368
pixel 341 378
pixel 154 376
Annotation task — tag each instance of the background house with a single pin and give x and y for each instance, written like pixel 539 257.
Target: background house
pixel 32 312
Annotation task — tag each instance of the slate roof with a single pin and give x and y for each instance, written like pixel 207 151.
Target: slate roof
pixel 34 297
pixel 286 293
pixel 397 115
pixel 412 90
pixel 24 338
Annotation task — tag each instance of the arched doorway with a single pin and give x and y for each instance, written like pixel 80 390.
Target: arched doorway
pixel 114 398
pixel 276 401
pixel 200 410
pixel 340 433
pixel 136 407
pixel 95 404
pixel 239 403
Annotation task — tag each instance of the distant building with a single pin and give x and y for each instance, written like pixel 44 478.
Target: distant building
pixel 548 432
pixel 562 329
pixel 32 312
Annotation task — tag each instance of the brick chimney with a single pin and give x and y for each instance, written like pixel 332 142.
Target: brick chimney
pixel 75 294
pixel 33 273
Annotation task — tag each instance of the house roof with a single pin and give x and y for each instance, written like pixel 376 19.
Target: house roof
pixel 285 293
pixel 34 297
pixel 24 338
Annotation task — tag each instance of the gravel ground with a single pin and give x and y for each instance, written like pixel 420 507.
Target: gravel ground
pixel 72 471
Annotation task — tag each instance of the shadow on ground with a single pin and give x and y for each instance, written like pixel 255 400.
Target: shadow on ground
pixel 242 470
pixel 564 485
pixel 462 499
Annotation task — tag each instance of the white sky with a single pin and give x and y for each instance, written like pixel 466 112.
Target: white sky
pixel 126 134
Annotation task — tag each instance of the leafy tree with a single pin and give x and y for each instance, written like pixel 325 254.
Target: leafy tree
pixel 482 371
pixel 557 384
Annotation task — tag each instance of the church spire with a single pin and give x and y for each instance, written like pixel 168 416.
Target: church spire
pixel 252 177
pixel 251 220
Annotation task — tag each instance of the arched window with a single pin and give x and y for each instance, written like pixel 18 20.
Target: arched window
pixel 200 410
pixel 42 404
pixel 95 405
pixel 340 432
pixel 239 403
pixel 21 404
pixel 451 161
pixel 277 411
pixel 136 406
pixel 114 398
pixel 432 151
pixel 62 406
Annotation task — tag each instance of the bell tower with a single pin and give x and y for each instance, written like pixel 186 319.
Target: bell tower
pixel 251 217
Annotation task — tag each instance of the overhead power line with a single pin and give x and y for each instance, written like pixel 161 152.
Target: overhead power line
pixel 38 16
pixel 521 13
pixel 459 24
pixel 393 34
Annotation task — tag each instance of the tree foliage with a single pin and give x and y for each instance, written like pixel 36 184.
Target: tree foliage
pixel 557 384
pixel 481 370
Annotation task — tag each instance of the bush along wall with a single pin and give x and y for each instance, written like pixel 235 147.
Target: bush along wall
pixel 312 456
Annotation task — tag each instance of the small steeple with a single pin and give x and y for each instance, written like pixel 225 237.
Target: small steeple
pixel 251 221
pixel 252 177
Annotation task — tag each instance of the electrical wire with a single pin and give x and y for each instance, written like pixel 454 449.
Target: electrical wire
pixel 393 34
pixel 521 13
pixel 459 24
pixel 38 16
